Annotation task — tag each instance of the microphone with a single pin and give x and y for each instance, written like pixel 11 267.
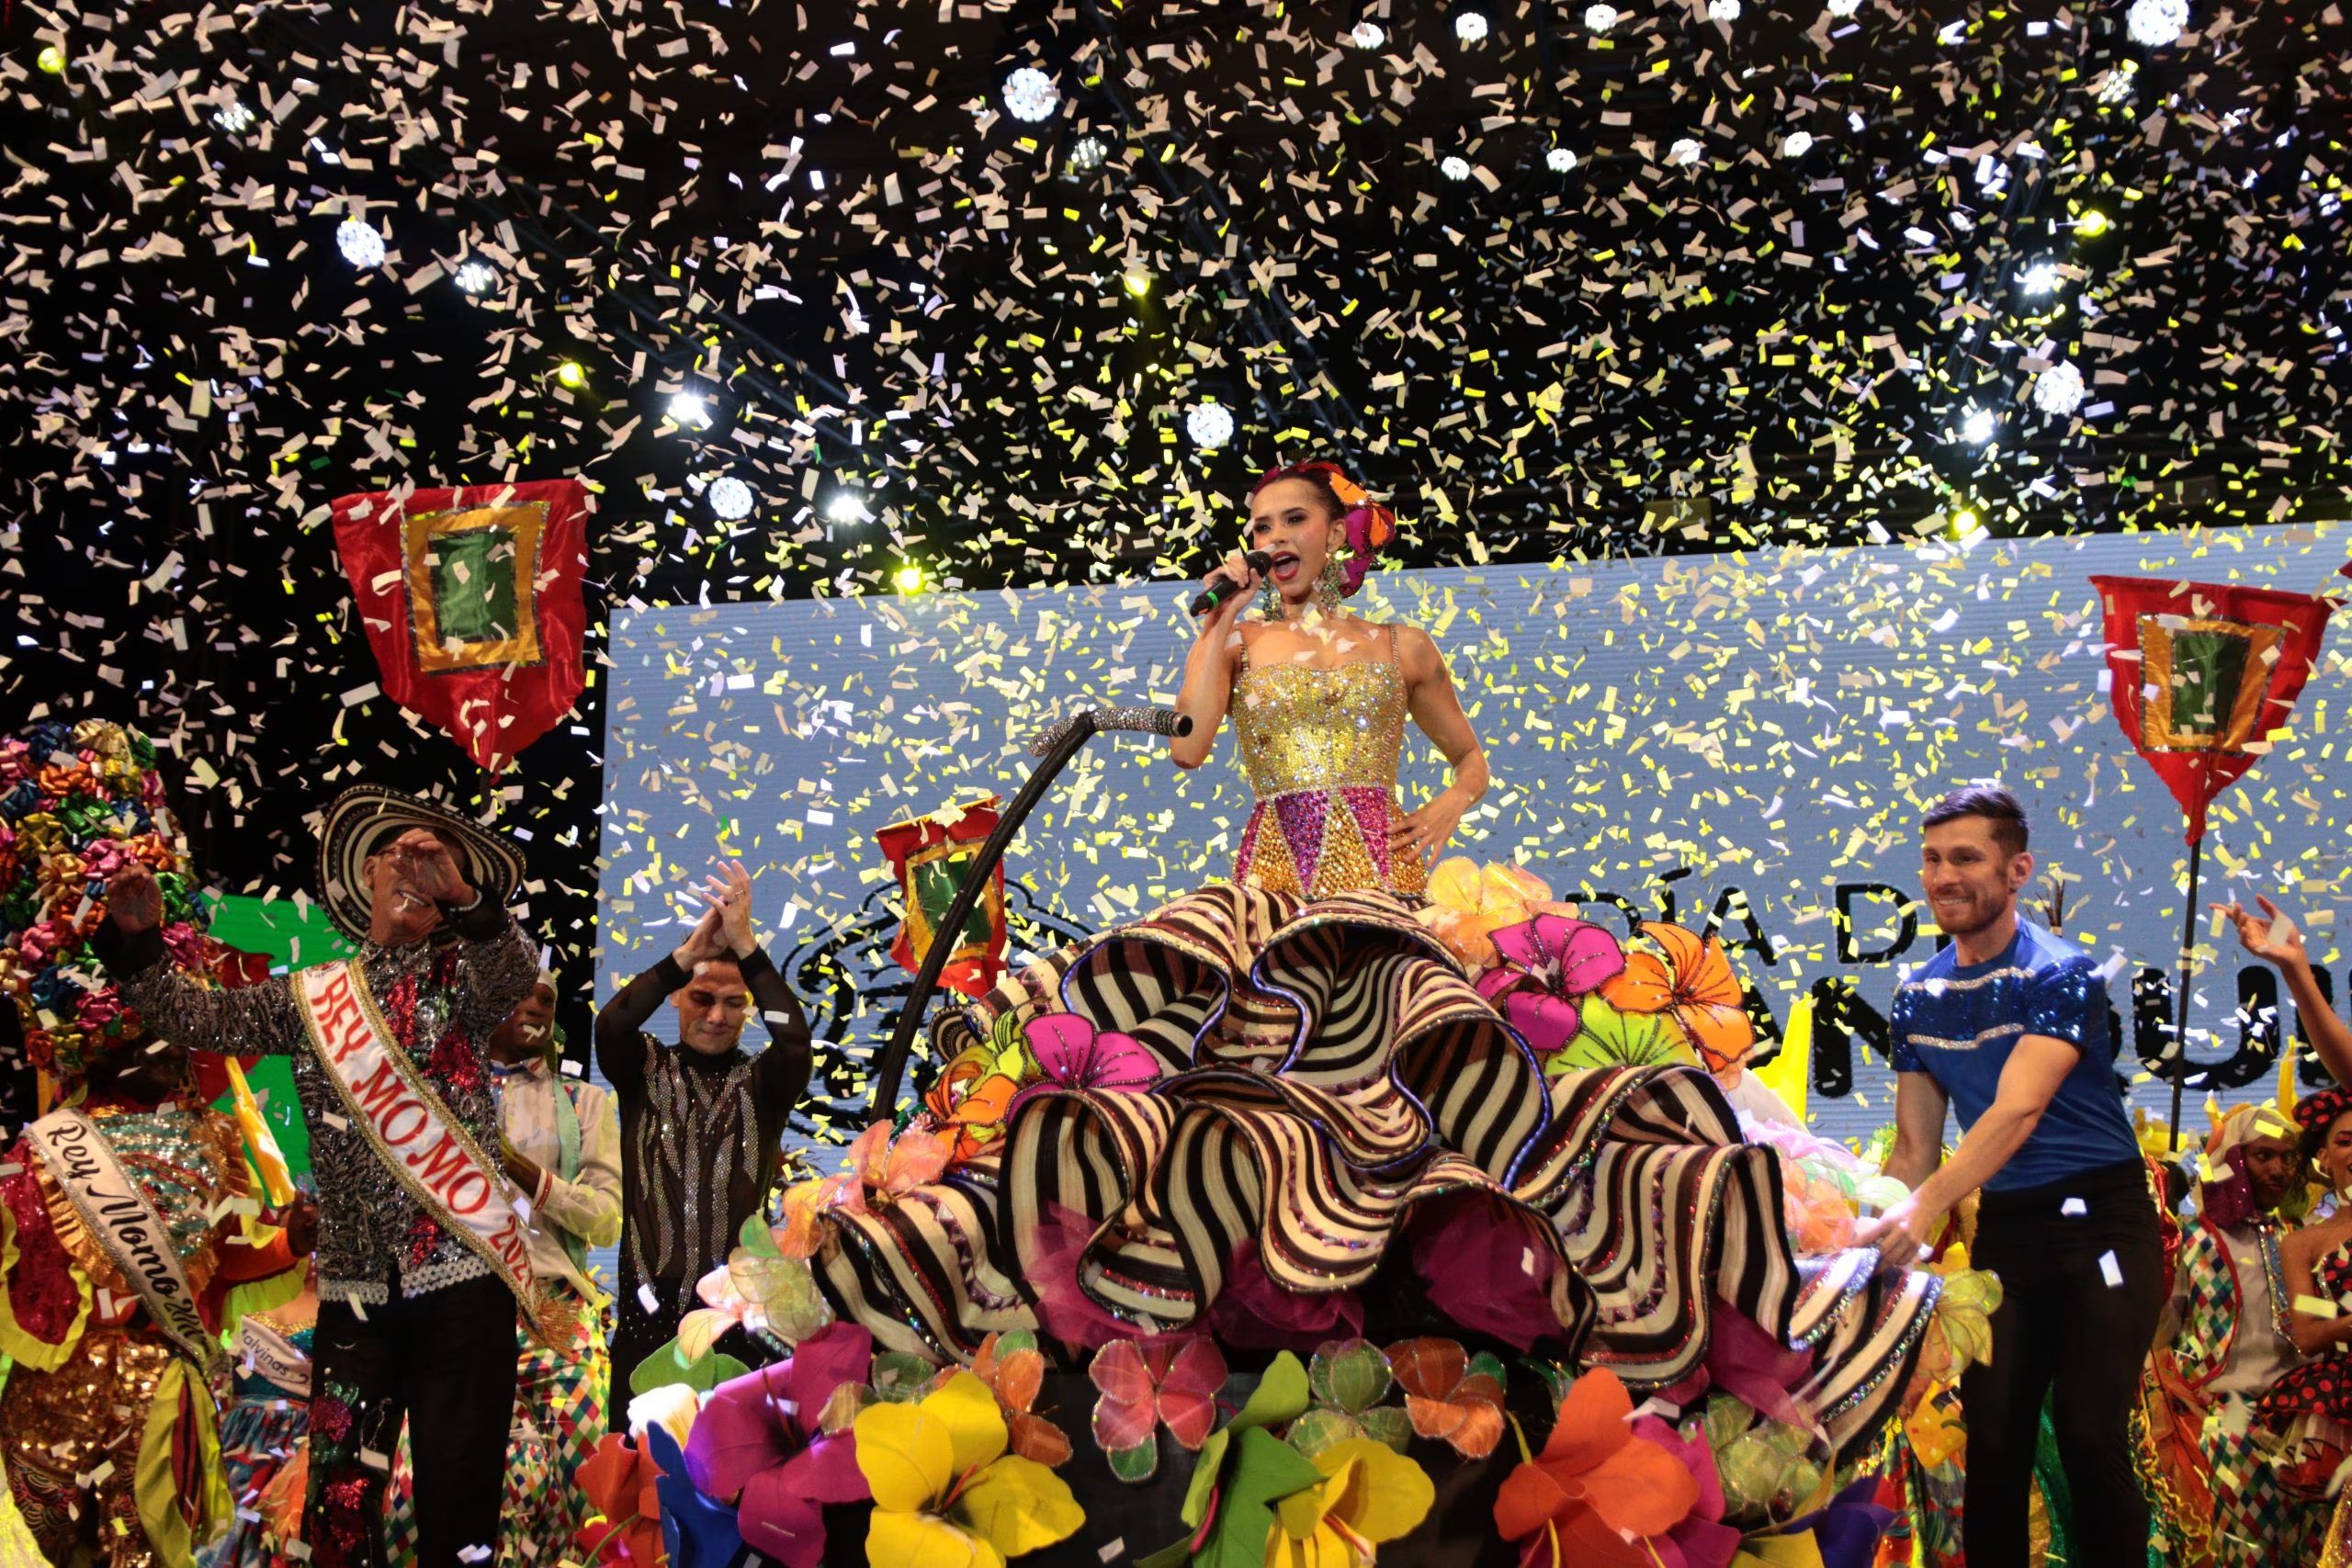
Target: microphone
pixel 1220 587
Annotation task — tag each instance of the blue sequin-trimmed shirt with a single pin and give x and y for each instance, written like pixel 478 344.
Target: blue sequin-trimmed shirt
pixel 1958 1022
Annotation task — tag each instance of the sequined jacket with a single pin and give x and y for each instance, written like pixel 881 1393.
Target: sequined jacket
pixel 442 999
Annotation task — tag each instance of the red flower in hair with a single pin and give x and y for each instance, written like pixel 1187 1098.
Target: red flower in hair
pixel 1369 525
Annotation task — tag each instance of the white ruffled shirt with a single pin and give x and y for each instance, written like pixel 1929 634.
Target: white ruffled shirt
pixel 589 1206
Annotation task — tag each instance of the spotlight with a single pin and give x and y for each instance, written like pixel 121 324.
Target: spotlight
pixel 846 506
pixel 1684 153
pixel 2157 23
pixel 233 116
pixel 689 409
pixel 51 59
pixel 1976 426
pixel 1136 282
pixel 2117 85
pixel 1031 94
pixel 1600 19
pixel 1963 523
pixel 1796 144
pixel 1843 8
pixel 1723 10
pixel 571 374
pixel 731 498
pixel 360 245
pixel 1454 166
pixel 1368 35
pixel 1209 425
pixel 477 278
pixel 1087 153
pixel 2040 277
pixel 2092 223
pixel 909 577
pixel 2059 389
pixel 1470 27
pixel 1559 160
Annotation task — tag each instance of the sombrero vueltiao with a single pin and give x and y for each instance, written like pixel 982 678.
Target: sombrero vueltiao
pixel 366 818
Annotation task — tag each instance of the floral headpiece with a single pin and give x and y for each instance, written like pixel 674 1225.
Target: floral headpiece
pixel 1369 525
pixel 78 803
pixel 2315 1113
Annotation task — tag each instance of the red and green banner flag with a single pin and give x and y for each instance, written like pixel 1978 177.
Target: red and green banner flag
pixel 2203 673
pixel 929 857
pixel 471 599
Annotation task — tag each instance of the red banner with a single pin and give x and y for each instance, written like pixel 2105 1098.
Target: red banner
pixel 2202 672
pixel 472 604
pixel 928 860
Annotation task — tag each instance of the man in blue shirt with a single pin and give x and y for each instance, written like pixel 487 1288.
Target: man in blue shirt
pixel 2009 1027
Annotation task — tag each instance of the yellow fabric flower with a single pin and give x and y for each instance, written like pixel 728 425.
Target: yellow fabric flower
pixel 1372 1494
pixel 945 1492
pixel 1468 903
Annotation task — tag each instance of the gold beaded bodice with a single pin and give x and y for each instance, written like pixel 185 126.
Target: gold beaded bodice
pixel 1301 727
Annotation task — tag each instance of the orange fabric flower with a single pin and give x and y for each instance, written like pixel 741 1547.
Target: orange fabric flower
pixel 618 1480
pixel 1014 1369
pixel 1598 1491
pixel 1696 984
pixel 1449 1396
pixel 970 1101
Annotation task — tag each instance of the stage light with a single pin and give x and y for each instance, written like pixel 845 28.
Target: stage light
pixel 1796 144
pixel 2040 277
pixel 1723 10
pixel 1976 426
pixel 1470 27
pixel 477 278
pixel 2157 23
pixel 731 498
pixel 570 374
pixel 1454 166
pixel 1209 425
pixel 1963 523
pixel 846 506
pixel 1559 160
pixel 1600 18
pixel 1087 153
pixel 1843 8
pixel 1136 282
pixel 1684 153
pixel 1031 94
pixel 360 245
pixel 687 408
pixel 51 59
pixel 233 116
pixel 2119 84
pixel 2059 389
pixel 1368 35
pixel 2092 223
pixel 909 577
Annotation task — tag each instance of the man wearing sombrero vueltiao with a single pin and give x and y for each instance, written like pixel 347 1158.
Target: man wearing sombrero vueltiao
pixel 422 1256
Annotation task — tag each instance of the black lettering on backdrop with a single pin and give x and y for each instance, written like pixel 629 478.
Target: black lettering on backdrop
pixel 1732 903
pixel 1619 902
pixel 2311 1072
pixel 1838 1015
pixel 2154 1013
pixel 1906 930
pixel 1667 907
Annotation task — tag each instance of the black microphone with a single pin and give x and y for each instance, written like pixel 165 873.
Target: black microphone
pixel 1220 587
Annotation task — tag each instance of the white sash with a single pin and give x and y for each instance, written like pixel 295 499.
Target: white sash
pixel 119 1213
pixel 406 1122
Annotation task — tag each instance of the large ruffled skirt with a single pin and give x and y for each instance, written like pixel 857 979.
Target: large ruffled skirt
pixel 1344 1127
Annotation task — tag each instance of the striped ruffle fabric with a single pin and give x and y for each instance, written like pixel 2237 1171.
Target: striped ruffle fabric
pixel 1329 1072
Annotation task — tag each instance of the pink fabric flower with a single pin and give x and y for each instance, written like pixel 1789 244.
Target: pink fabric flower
pixel 1701 1540
pixel 757 1444
pixel 1547 964
pixel 1075 1055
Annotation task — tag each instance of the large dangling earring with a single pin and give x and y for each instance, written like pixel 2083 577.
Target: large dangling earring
pixel 1331 583
pixel 1269 600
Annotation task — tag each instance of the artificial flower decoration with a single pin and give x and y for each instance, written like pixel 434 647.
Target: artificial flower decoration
pixel 1243 1472
pixel 1468 903
pixel 696 1532
pixel 1347 1380
pixel 1701 1540
pixel 618 1481
pixel 972 1097
pixel 1450 1395
pixel 672 1407
pixel 757 1288
pixel 1694 982
pixel 1370 1493
pixel 1611 1037
pixel 1843 1535
pixel 1073 1053
pixel 758 1446
pixel 1014 1369
pixel 945 1492
pixel 1598 1494
pixel 1768 1468
pixel 1168 1379
pixel 1546 965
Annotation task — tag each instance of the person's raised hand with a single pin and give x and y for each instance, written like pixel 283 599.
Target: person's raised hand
pixel 729 896
pixel 1218 623
pixel 431 869
pixel 2271 937
pixel 135 899
pixel 702 944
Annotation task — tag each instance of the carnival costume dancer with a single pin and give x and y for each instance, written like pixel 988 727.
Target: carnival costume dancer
pixel 124 1223
pixel 2227 1343
pixel 422 1254
pixel 702 1121
pixel 1261 1090
pixel 264 1437
pixel 2010 1025
pixel 2311 1406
